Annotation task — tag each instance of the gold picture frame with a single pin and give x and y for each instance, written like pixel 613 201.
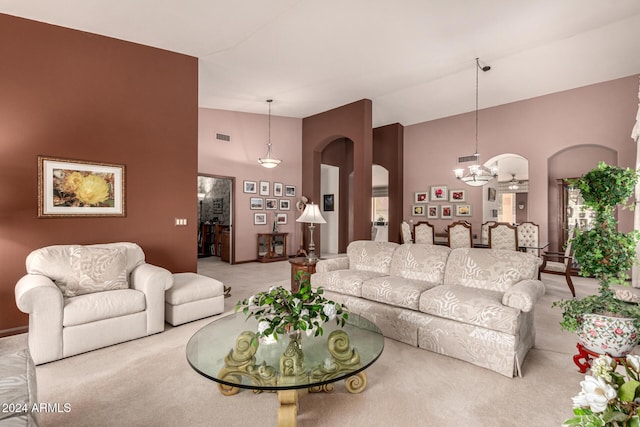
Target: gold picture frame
pixel 78 188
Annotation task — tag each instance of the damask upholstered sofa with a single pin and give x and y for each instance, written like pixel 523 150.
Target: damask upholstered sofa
pixel 81 298
pixel 469 303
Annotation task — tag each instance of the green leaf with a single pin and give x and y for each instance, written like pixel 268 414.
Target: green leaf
pixel 628 391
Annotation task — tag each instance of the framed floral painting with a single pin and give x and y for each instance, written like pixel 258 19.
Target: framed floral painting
pixel 432 211
pixel 421 197
pixel 463 210
pixel 446 212
pixel 417 210
pixel 439 193
pixel 80 188
pixel 457 196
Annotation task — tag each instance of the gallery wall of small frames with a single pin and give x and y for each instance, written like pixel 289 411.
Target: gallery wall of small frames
pixel 440 202
pixel 277 197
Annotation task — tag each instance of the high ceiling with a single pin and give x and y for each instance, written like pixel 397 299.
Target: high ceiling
pixel 415 59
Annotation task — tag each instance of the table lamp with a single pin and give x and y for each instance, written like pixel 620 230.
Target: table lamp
pixel 312 216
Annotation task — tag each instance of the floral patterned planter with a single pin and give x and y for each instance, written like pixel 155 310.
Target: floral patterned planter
pixel 615 336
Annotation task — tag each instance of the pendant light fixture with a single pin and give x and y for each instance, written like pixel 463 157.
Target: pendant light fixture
pixel 477 174
pixel 269 161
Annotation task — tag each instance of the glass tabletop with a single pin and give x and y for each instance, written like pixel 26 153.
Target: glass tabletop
pixel 225 352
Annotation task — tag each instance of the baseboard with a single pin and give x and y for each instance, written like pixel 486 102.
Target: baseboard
pixel 13 331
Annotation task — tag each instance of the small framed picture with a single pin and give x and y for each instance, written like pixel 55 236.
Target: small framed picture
pixel 457 196
pixel 259 218
pixel 418 210
pixel 446 212
pixel 491 194
pixel 271 204
pixel 439 193
pixel 290 190
pixel 218 205
pixel 328 202
pixel 432 211
pixel 421 197
pixel 257 203
pixel 463 210
pixel 250 187
pixel 285 205
pixel 277 189
pixel 264 188
pixel 281 218
pixel 494 213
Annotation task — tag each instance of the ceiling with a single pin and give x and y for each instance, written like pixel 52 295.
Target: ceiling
pixel 415 59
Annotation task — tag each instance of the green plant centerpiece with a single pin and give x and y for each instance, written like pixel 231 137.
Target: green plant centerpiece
pixel 280 311
pixel 604 253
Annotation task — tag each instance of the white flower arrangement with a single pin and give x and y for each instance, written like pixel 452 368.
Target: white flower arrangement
pixel 608 398
pixel 279 311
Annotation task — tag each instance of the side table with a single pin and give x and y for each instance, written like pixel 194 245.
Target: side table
pixel 300 264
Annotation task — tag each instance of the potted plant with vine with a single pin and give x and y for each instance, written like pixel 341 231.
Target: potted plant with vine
pixel 604 323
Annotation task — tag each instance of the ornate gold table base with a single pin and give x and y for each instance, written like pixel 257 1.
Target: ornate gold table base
pixel 241 362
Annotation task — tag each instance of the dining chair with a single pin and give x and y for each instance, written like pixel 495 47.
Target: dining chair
pixel 405 232
pixel 503 235
pixel 424 232
pixel 560 263
pixel 528 237
pixel 484 232
pixel 459 235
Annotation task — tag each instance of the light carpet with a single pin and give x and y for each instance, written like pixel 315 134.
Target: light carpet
pixel 149 382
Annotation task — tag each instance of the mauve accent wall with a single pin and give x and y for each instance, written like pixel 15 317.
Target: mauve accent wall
pixel 75 95
pixel 238 158
pixel 597 115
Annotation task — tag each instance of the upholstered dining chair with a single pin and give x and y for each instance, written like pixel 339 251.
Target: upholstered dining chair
pixel 503 235
pixel 459 235
pixel 528 237
pixel 405 232
pixel 424 232
pixel 484 232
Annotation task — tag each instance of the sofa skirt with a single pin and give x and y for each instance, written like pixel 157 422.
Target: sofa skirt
pixel 498 351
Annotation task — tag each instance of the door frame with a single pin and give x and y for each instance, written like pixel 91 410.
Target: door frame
pixel 232 213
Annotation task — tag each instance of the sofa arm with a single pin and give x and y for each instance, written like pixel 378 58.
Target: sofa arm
pixel 153 281
pixel 331 264
pixel 42 299
pixel 523 295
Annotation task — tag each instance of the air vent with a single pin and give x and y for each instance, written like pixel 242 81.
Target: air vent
pixel 465 159
pixel 223 137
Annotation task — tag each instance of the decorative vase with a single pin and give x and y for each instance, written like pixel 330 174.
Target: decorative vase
pixel 615 336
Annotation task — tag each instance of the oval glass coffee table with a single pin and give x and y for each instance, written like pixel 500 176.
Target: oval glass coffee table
pixel 228 352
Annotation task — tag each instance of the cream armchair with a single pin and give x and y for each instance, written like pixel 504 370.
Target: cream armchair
pixel 81 298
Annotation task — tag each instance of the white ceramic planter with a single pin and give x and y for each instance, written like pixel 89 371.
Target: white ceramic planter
pixel 615 336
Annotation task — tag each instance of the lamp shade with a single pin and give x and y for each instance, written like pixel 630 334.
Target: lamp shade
pixel 311 215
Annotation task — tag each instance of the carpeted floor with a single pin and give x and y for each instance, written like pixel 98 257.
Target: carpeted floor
pixel 149 382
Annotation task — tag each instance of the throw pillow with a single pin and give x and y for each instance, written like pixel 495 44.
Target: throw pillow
pixel 95 270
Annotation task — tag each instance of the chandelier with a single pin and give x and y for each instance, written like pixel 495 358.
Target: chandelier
pixel 269 161
pixel 477 174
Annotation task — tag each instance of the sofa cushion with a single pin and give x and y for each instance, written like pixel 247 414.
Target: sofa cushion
pixel 396 291
pixel 365 255
pixel 102 305
pixel 420 262
pixel 479 307
pixel 493 269
pixel 94 270
pixel 347 282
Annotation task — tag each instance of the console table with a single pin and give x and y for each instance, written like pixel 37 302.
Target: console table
pixel 272 247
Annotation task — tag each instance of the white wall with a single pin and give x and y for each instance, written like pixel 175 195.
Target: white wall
pixel 330 178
